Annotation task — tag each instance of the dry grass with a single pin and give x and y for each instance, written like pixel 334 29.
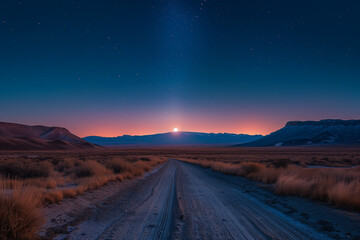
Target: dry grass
pixel 336 186
pixel 302 156
pixel 20 217
pixel 89 169
pixel 61 175
pixel 119 165
pixel 14 168
pixel 252 170
pixel 32 180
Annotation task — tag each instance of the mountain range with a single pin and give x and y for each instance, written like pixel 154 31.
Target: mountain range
pixel 175 138
pixel 328 131
pixel 15 136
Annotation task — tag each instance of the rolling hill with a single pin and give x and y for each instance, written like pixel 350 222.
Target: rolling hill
pixel 329 131
pixel 15 136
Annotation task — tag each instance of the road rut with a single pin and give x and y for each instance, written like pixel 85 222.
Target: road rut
pixel 184 201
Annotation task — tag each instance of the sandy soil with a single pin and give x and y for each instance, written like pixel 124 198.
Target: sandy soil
pixel 178 200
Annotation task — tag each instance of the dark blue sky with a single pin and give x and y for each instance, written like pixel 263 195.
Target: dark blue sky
pixel 136 67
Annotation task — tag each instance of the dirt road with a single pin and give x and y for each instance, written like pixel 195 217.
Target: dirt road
pixel 183 201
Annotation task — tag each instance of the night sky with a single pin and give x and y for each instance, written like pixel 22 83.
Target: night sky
pixel 138 67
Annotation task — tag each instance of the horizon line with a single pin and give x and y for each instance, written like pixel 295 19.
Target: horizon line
pixel 138 135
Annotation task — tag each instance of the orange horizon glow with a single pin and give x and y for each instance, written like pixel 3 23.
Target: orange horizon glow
pixel 115 124
pixel 113 128
pixel 115 131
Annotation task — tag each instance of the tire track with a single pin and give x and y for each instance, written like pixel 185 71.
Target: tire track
pixel 184 201
pixel 152 218
pixel 231 213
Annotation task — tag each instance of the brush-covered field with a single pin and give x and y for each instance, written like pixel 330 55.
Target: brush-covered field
pixel 31 180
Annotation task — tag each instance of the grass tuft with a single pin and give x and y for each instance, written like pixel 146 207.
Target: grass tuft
pixel 20 217
pixel 89 169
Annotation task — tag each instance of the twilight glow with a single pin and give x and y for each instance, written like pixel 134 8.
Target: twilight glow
pixel 141 67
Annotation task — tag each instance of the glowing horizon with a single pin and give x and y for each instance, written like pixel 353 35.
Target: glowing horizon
pixel 113 125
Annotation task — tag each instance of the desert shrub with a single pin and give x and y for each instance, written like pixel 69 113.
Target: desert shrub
pixel 119 165
pixel 44 169
pixel 20 218
pixel 226 168
pixel 17 169
pixel 55 160
pixel 293 185
pixel 266 175
pixel 96 182
pixel 132 159
pixel 345 194
pixel 243 169
pixel 65 164
pixel 12 169
pixel 250 168
pixel 69 193
pixel 80 190
pixel 281 162
pixel 145 159
pixel 140 167
pixel 54 196
pixel 50 183
pixel 90 168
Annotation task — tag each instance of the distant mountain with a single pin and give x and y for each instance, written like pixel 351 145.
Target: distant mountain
pixel 175 138
pixel 329 131
pixel 15 136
